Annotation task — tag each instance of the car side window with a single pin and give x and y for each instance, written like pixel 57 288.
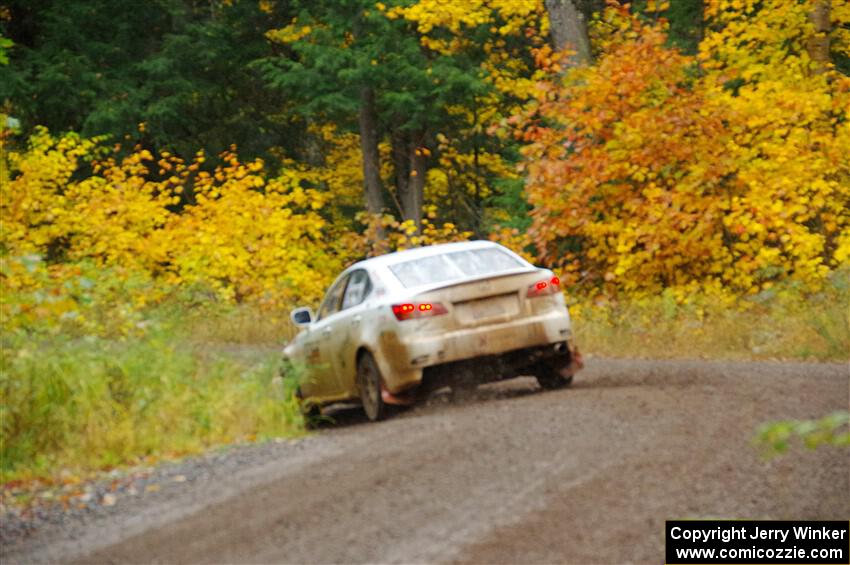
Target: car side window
pixel 357 290
pixel 330 304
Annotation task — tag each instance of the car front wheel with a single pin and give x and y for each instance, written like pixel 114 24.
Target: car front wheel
pixel 369 383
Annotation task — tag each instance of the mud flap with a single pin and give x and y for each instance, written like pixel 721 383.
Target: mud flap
pixel 405 398
pixel 576 361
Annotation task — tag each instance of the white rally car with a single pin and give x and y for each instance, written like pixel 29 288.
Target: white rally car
pixel 457 315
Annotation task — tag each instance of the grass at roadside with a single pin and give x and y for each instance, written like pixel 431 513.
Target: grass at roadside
pixel 780 323
pixel 85 403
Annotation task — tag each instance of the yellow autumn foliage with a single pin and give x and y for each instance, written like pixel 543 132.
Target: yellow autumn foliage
pixel 234 229
pixel 156 224
pixel 446 28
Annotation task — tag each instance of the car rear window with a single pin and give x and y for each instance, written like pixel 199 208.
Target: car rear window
pixel 454 266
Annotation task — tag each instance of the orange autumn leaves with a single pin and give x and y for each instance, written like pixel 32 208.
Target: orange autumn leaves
pixel 648 170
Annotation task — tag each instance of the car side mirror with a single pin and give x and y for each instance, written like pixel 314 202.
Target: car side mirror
pixel 301 317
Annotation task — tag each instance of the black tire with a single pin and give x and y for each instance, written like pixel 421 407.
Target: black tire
pixel 550 375
pixel 369 383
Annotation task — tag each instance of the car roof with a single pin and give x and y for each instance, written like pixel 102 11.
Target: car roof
pixel 379 265
pixel 427 251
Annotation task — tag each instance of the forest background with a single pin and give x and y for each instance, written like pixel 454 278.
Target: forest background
pixel 176 175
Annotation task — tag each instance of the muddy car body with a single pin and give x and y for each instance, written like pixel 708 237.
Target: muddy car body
pixel 455 315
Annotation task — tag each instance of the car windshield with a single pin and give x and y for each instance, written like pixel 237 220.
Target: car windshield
pixel 454 266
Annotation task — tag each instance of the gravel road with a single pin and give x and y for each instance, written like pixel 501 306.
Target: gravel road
pixel 512 475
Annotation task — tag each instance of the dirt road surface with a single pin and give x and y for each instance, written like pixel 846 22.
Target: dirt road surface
pixel 514 475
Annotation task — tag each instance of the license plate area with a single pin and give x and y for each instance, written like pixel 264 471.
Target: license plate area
pixel 487 310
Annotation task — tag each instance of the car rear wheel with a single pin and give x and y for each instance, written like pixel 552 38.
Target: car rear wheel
pixel 369 384
pixel 553 382
pixel 550 375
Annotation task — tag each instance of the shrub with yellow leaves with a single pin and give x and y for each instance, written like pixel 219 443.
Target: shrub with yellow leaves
pixel 246 235
pixel 251 239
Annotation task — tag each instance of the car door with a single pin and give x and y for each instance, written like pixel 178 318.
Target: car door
pixel 322 381
pixel 344 337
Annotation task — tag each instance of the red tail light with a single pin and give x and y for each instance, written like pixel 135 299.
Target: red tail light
pixel 544 288
pixel 418 310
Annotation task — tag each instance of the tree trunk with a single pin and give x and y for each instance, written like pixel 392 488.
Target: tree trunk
pixel 411 167
pixel 818 43
pixel 401 166
pixel 369 148
pixel 569 29
pixel 416 185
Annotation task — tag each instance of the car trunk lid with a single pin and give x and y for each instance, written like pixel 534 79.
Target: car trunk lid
pixel 489 300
